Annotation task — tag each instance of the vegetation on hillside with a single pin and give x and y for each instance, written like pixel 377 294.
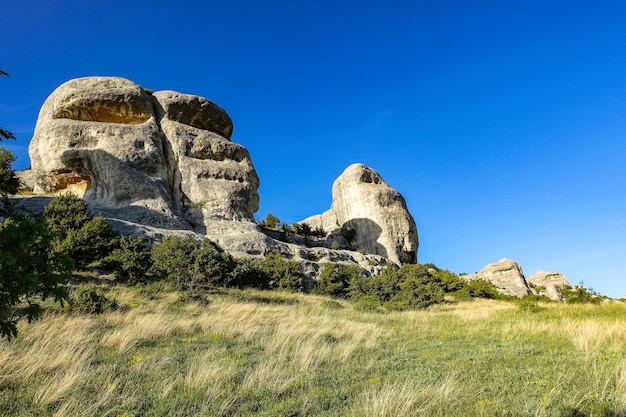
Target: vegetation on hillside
pixel 262 353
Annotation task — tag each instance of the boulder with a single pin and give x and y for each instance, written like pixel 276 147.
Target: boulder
pixel 549 284
pixel 368 214
pixel 506 274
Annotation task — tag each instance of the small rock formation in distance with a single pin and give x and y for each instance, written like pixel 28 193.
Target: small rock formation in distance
pixel 508 276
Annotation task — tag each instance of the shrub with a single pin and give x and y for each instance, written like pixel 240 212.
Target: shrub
pixel 249 273
pixel 284 274
pixel 65 213
pixel 86 239
pixel 483 289
pixel 580 295
pixel 367 303
pixel 29 269
pixel 417 293
pixel 129 261
pixel 335 279
pixel 529 305
pixel 89 299
pixel 187 262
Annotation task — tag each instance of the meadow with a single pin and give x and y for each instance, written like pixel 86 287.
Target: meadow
pixel 261 353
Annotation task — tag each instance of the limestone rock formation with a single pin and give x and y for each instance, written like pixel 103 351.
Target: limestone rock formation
pixel 164 163
pixel 549 284
pixel 369 214
pixel 212 177
pixel 164 159
pixel 98 137
pixel 506 274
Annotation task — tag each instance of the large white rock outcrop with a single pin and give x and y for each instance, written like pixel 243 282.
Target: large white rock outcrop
pixel 98 137
pixel 506 274
pixel 164 159
pixel 212 177
pixel 164 163
pixel 371 215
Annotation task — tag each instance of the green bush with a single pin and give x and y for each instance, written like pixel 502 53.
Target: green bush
pixel 86 239
pixel 284 275
pixel 65 213
pixel 29 270
pixel 130 261
pixel 529 305
pixel 367 303
pixel 249 273
pixel 89 299
pixel 335 279
pixel 483 289
pixel 187 263
pixel 580 295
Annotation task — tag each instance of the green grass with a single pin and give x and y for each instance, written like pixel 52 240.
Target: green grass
pixel 252 353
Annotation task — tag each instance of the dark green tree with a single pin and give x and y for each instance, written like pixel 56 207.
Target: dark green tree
pixel 85 238
pixel 5 134
pixel 9 183
pixel 284 274
pixel 271 222
pixel 189 263
pixel 305 231
pixel 129 261
pixel 335 280
pixel 30 270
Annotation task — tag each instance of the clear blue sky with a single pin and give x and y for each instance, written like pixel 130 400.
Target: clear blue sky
pixel 502 123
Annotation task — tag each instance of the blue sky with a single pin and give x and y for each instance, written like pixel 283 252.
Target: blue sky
pixel 502 123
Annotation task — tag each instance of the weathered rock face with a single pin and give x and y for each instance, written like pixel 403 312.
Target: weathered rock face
pixel 550 283
pixel 98 137
pixel 165 160
pixel 370 214
pixel 506 274
pixel 212 177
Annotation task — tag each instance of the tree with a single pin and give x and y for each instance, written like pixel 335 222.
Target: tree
pixel 9 183
pixel 78 234
pixel 305 231
pixel 271 221
pixel 284 274
pixel 5 134
pixel 188 262
pixel 29 270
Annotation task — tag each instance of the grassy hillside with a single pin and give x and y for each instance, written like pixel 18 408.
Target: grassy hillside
pixel 253 353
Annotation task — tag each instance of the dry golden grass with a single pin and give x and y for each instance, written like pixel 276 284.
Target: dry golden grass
pixel 405 399
pixel 225 357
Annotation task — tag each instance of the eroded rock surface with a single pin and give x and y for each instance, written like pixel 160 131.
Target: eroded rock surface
pixel 164 163
pixel 549 284
pixel 506 274
pixel 366 213
pixel 164 159
pixel 212 177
